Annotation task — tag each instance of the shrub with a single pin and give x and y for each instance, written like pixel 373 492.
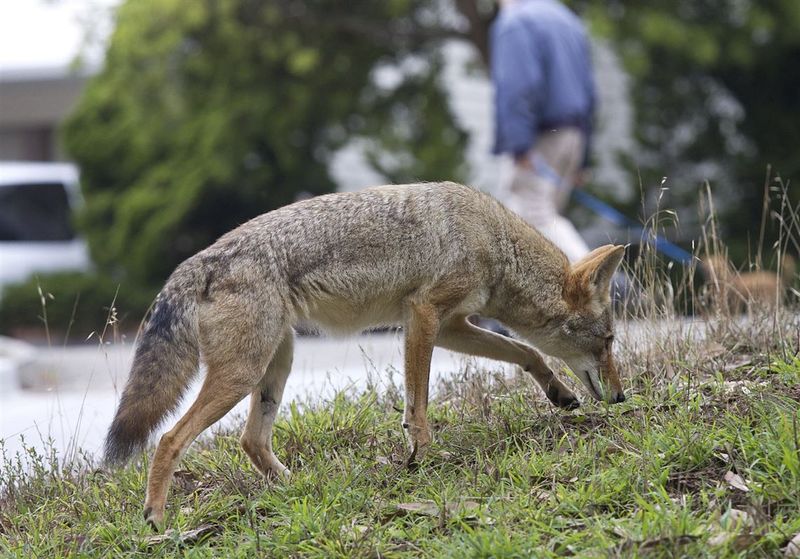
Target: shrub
pixel 71 306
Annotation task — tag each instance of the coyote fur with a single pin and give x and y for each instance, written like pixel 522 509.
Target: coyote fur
pixel 733 291
pixel 423 256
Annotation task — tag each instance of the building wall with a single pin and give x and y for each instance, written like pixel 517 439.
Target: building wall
pixel 32 106
pixel 27 143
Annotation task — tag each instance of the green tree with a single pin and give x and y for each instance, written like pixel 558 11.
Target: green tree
pixel 209 112
pixel 715 91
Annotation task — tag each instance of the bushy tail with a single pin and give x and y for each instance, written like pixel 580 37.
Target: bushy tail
pixel 165 361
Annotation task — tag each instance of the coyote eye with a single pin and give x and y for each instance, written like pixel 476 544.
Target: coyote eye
pixel 609 339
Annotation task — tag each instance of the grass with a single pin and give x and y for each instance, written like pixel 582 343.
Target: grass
pixel 702 460
pixel 508 475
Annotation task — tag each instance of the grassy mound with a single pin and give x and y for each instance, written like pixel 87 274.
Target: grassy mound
pixel 702 461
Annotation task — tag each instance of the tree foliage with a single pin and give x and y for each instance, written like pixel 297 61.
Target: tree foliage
pixel 715 92
pixel 209 112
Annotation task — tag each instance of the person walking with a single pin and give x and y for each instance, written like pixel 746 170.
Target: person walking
pixel 544 105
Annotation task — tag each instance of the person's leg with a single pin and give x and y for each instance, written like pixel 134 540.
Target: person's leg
pixel 539 195
pixel 562 152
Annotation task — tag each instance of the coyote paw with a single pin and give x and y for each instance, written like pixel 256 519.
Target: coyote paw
pixel 411 461
pixel 571 403
pixel 418 452
pixel 279 473
pixel 563 398
pixel 419 442
pixel 276 470
pixel 154 517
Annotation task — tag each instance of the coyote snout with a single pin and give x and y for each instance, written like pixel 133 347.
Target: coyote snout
pixel 599 376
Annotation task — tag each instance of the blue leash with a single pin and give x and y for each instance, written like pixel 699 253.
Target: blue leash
pixel 608 213
pixel 660 244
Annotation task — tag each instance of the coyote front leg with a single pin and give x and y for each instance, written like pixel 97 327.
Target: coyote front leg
pixel 421 330
pixel 458 334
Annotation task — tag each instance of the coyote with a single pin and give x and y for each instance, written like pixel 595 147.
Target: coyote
pixel 424 256
pixel 735 292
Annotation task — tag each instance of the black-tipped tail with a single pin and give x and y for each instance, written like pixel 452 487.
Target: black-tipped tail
pixel 166 359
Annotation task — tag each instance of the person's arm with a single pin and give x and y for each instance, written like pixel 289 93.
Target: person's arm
pixel 517 78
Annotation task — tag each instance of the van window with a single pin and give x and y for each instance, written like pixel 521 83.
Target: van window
pixel 35 212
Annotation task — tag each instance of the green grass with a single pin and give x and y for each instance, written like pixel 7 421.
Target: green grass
pixel 508 476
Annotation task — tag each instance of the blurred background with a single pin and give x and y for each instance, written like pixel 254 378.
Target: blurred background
pixel 185 118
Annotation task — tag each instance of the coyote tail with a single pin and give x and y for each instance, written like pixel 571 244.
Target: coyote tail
pixel 165 362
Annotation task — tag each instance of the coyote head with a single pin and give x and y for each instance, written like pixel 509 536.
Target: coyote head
pixel 586 335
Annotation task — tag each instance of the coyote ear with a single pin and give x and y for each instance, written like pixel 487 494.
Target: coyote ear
pixel 590 277
pixel 603 269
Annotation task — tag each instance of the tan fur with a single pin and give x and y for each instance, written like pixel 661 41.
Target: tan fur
pixel 734 291
pixel 422 256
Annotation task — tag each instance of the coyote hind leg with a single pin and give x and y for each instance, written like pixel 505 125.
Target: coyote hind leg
pixel 216 398
pixel 237 345
pixel 264 403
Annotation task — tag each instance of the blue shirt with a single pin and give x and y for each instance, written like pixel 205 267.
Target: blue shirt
pixel 542 73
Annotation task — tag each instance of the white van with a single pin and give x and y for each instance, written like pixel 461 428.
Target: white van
pixel 36 234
